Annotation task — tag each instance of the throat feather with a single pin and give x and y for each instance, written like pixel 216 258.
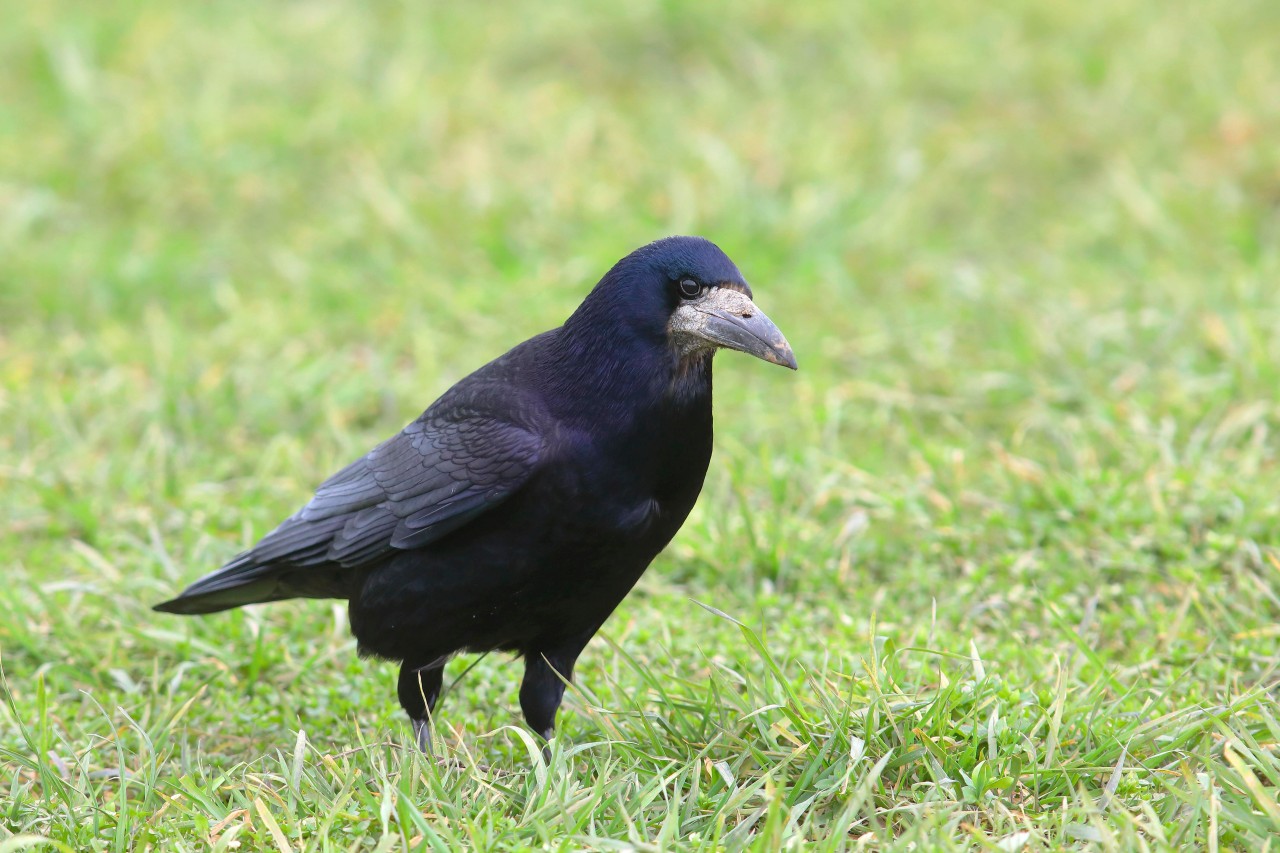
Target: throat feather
pixel 691 378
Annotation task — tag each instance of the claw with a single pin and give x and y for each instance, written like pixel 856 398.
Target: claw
pixel 422 734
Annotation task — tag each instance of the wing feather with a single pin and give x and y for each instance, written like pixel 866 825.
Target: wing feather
pixel 466 454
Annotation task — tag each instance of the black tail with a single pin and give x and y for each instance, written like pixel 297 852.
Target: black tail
pixel 240 582
pixel 249 580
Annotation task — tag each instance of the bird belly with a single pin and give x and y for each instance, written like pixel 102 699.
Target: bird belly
pixel 510 587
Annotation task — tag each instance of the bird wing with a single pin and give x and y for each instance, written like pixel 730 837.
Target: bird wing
pixel 467 453
pixel 437 474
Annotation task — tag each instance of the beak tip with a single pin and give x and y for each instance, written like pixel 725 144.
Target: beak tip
pixel 784 357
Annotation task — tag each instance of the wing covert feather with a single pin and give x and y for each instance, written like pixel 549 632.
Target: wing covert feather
pixel 438 473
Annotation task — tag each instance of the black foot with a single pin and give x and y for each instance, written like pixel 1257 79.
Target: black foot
pixel 418 689
pixel 546 671
pixel 422 734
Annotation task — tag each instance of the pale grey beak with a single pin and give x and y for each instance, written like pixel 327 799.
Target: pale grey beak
pixel 728 318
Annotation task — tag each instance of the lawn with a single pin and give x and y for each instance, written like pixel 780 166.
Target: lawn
pixel 998 569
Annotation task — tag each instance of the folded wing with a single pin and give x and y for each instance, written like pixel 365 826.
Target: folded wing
pixel 462 457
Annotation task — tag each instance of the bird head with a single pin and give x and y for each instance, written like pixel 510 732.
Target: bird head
pixel 686 291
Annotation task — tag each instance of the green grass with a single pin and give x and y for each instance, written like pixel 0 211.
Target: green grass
pixel 998 569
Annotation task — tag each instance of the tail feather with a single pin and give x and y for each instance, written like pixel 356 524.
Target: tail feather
pixel 245 580
pixel 242 581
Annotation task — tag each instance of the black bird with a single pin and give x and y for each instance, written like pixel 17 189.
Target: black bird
pixel 522 506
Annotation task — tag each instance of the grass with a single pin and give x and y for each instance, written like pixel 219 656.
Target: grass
pixel 998 569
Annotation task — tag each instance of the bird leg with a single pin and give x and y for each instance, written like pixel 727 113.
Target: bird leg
pixel 418 688
pixel 546 671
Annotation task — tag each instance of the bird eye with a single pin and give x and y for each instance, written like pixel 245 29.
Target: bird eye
pixel 689 288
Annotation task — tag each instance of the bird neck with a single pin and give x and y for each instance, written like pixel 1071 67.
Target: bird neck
pixel 617 376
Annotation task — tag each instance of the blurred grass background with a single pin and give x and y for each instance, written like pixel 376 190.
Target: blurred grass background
pixel 1008 541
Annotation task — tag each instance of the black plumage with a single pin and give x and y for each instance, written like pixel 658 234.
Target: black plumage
pixel 523 505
